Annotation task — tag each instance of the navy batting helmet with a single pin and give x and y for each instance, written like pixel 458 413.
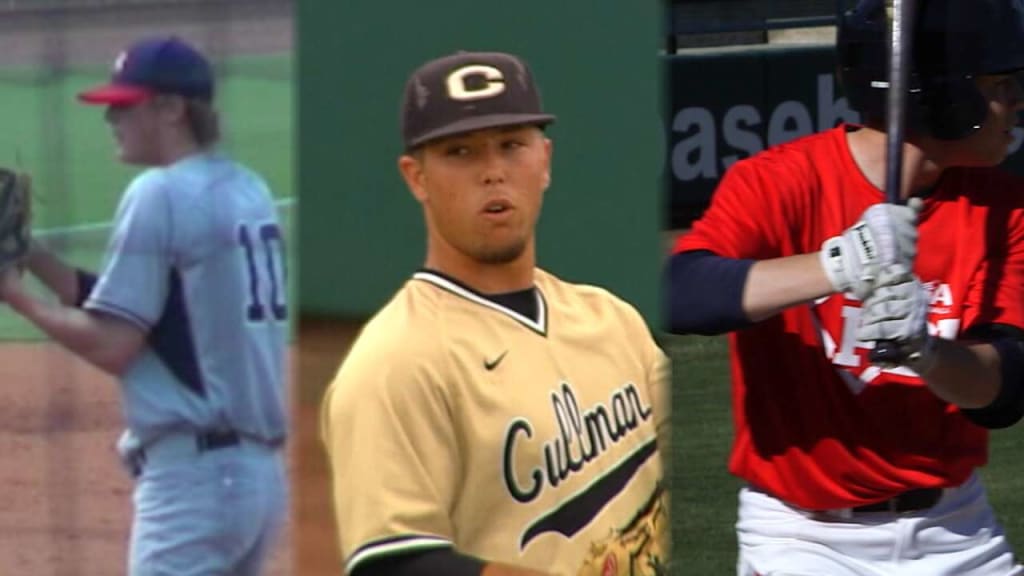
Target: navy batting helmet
pixel 954 41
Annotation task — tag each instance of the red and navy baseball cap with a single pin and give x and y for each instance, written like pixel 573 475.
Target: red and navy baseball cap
pixel 469 91
pixel 164 65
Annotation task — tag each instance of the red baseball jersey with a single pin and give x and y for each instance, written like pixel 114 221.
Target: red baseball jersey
pixel 816 424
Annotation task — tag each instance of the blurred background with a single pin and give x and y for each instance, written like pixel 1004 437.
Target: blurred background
pixel 655 101
pixel 741 75
pixel 65 501
pixel 361 232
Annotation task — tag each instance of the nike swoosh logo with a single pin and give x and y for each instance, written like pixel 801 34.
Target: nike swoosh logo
pixel 492 364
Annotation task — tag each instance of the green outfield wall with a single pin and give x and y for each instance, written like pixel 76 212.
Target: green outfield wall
pixel 725 104
pixel 360 231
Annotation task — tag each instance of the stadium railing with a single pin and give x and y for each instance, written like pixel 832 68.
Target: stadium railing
pixel 692 23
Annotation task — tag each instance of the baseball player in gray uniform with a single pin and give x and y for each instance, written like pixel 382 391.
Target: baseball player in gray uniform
pixel 189 311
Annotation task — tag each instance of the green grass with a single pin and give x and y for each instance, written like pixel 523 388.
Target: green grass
pixel 704 494
pixel 68 149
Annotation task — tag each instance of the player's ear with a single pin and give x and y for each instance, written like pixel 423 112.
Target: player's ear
pixel 411 168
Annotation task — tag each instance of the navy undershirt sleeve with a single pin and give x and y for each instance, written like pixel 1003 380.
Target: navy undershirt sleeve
pixel 1008 407
pixel 429 563
pixel 704 293
pixel 86 280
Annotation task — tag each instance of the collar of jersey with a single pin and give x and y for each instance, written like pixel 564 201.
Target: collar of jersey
pixel 459 289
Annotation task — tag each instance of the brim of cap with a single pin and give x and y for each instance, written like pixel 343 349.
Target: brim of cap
pixel 481 123
pixel 115 94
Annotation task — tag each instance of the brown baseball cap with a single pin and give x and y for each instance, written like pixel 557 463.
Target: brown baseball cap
pixel 469 91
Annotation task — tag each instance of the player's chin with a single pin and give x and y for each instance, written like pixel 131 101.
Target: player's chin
pixel 125 154
pixel 985 157
pixel 501 253
pixel 994 157
pixel 1001 147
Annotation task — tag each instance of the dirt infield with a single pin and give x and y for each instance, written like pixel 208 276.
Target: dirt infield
pixel 322 345
pixel 66 501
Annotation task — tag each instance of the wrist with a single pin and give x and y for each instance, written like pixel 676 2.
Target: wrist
pixel 833 264
pixel 20 301
pixel 923 360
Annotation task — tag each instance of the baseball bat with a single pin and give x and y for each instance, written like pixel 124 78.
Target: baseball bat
pixel 900 17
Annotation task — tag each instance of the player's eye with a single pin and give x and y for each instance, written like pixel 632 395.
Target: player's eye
pixel 456 150
pixel 512 144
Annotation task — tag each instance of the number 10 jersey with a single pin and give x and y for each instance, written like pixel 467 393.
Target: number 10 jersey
pixel 196 261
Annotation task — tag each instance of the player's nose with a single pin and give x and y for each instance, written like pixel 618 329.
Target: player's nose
pixel 492 166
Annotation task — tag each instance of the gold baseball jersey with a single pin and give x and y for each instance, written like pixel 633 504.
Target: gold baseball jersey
pixel 457 422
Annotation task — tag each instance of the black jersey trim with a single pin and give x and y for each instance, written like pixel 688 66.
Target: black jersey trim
pixel 575 513
pixel 394 545
pixel 455 287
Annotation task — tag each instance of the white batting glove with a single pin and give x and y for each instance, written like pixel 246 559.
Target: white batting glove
pixel 885 235
pixel 897 311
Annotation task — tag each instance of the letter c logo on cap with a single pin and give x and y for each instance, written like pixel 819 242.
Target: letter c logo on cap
pixel 459 90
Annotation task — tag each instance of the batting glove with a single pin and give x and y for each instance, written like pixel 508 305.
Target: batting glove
pixel 885 235
pixel 897 311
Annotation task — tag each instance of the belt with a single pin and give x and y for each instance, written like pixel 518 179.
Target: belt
pixel 203 442
pixel 216 440
pixel 909 501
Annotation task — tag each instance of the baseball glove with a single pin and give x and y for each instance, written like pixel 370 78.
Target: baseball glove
pixel 15 217
pixel 641 548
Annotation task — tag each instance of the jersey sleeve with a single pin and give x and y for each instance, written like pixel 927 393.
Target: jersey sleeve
pixel 995 293
pixel 659 380
pixel 752 208
pixel 133 283
pixel 657 373
pixel 387 426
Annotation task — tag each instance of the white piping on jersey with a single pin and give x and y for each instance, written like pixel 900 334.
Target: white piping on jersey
pixel 406 544
pixel 119 311
pixel 542 313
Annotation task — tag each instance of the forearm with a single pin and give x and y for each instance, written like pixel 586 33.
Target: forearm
pixel 710 294
pixel 967 375
pixel 61 279
pixel 776 284
pixel 75 329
